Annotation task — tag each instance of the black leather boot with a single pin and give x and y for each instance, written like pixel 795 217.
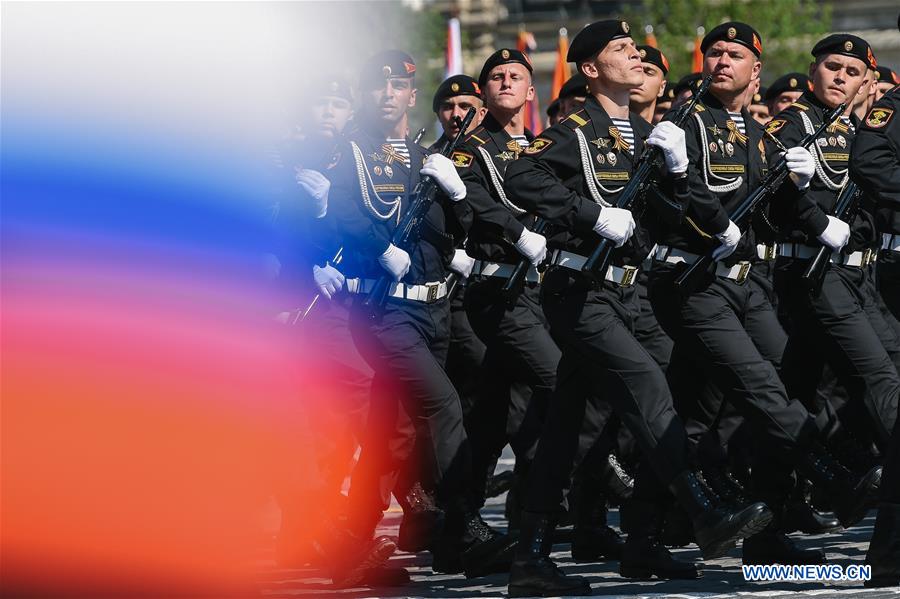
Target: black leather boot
pixel 644 555
pixel 725 486
pixel 351 558
pixel 533 573
pixel 717 528
pixel 470 546
pixel 422 520
pixel 850 494
pixel 592 539
pixel 801 515
pixel 618 482
pixel 773 547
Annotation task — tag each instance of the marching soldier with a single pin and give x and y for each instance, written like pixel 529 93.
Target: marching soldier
pixel 875 167
pixel 569 176
pixel 758 108
pixel 520 351
pixel 785 90
pixel 715 326
pixel 834 322
pixel 406 340
pixel 885 80
pixel 656 68
pixel 453 98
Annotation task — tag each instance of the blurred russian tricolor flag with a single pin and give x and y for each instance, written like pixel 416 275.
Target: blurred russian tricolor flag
pixel 147 398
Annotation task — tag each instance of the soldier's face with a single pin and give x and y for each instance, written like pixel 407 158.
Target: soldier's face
pixel 760 113
pixel 783 100
pixel 389 102
pixel 570 104
pixel 452 110
pixel 618 66
pixel 329 115
pixel 732 65
pixel 881 88
pixel 652 87
pixel 837 78
pixel 508 87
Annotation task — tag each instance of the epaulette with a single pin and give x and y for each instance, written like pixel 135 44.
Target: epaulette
pixel 698 107
pixel 474 139
pixel 799 106
pixel 577 119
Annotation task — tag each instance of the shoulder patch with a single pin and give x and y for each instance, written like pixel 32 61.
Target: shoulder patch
pixel 879 117
pixel 775 125
pixel 538 145
pixel 461 159
pixel 580 118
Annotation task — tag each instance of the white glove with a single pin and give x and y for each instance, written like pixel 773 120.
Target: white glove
pixel 728 241
pixel 316 185
pixel 329 280
pixel 396 261
pixel 441 169
pixel 533 246
pixel 836 234
pixel 616 224
pixel 802 166
pixel 669 138
pixel 462 263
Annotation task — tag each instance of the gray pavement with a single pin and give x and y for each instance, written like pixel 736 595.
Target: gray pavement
pixel 721 577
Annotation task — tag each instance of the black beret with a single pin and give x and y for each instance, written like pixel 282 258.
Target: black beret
pixel 388 64
pixel 576 85
pixel 886 74
pixel 553 108
pixel 846 45
pixel 503 56
pixel 734 31
pixel 687 82
pixel 595 37
pixel 329 86
pixel 655 57
pixel 457 85
pixel 759 97
pixel 792 82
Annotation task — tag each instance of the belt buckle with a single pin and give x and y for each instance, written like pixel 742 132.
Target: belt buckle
pixel 743 272
pixel 770 253
pixel 432 291
pixel 628 275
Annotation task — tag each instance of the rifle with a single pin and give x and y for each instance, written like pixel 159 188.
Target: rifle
pixel 406 235
pixel 598 262
pixel 513 285
pixel 844 209
pixel 688 280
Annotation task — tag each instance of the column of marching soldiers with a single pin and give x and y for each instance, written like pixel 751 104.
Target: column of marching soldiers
pixel 629 300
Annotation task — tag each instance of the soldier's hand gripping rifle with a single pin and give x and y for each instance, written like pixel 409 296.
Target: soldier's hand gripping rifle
pixel 688 280
pixel 844 209
pixel 406 235
pixel 513 285
pixel 598 262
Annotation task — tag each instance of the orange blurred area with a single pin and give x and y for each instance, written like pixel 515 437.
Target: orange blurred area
pixel 141 439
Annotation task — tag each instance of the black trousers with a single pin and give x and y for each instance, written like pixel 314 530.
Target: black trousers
pixel 842 327
pixel 601 361
pixel 465 356
pixel 407 349
pixel 711 419
pixel 888 279
pixel 720 328
pixel 520 352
